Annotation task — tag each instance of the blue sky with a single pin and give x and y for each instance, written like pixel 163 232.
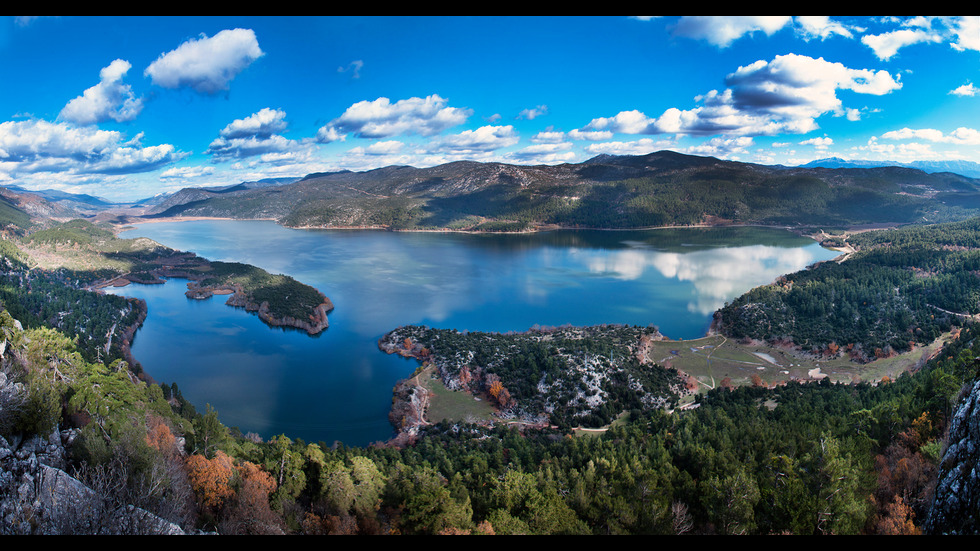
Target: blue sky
pixel 126 108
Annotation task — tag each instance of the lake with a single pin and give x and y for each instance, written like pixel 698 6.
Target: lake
pixel 337 385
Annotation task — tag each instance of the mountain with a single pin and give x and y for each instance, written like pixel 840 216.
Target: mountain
pixel 658 189
pixel 164 201
pixel 56 196
pixel 964 168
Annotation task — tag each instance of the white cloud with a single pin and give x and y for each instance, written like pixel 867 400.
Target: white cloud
pixel 545 153
pixel 531 114
pixel 548 137
pixel 819 143
pixel 624 122
pixel 482 140
pixel 821 26
pixel 961 32
pixel 722 147
pixel 967 32
pixel 886 45
pixel 387 147
pixel 784 95
pixel 641 146
pixel 382 119
pixel 263 124
pixel 967 89
pixel 722 30
pixel 255 135
pixel 960 136
pixel 592 136
pixel 207 64
pixel 186 173
pixel 109 99
pixel 33 146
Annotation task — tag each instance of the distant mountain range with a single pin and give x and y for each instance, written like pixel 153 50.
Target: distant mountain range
pixel 659 189
pixel 964 168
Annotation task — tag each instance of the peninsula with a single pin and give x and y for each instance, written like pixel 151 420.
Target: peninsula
pixel 98 259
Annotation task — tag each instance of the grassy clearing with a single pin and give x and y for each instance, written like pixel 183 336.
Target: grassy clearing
pixel 453 406
pixel 714 358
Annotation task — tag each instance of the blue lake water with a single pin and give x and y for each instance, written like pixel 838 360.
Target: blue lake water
pixel 337 385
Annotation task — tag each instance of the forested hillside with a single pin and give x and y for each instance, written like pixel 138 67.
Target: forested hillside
pixel 801 458
pixel 901 288
pixel 659 189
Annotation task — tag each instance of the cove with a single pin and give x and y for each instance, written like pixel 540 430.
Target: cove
pixel 337 386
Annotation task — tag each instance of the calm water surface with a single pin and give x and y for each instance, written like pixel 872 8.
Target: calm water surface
pixel 337 386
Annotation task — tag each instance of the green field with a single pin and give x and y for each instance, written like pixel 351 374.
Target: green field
pixel 451 405
pixel 712 359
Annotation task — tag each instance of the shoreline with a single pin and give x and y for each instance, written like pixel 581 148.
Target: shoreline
pixel 805 231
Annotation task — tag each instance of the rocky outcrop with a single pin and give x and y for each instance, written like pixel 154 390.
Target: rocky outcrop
pixel 38 497
pixel 956 508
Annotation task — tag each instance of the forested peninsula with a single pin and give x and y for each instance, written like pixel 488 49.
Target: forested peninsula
pixel 89 444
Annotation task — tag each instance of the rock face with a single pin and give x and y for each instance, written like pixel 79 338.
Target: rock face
pixel 956 509
pixel 38 497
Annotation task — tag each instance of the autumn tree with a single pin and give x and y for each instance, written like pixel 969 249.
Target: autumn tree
pixel 896 519
pixel 248 512
pixel 211 479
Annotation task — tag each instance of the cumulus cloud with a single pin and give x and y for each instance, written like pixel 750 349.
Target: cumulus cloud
pixel 257 134
pixel 960 136
pixel 264 123
pixel 186 173
pixel 967 33
pixel 784 95
pixel 819 143
pixel 109 99
pixel 967 89
pixel 722 30
pixel 482 140
pixel 33 146
pixel 383 119
pixel 206 64
pixel 545 153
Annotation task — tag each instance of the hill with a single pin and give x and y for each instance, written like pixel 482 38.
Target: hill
pixel 658 189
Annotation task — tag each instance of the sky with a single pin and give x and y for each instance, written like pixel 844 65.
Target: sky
pixel 126 108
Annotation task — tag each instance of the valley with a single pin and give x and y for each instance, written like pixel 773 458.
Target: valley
pixel 890 315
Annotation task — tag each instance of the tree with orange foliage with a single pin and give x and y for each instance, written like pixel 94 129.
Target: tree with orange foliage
pixel 249 511
pixel 499 392
pixel 896 520
pixel 495 387
pixel 160 437
pixel 211 479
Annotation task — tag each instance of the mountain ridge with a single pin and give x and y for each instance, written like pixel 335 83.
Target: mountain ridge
pixel 657 189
